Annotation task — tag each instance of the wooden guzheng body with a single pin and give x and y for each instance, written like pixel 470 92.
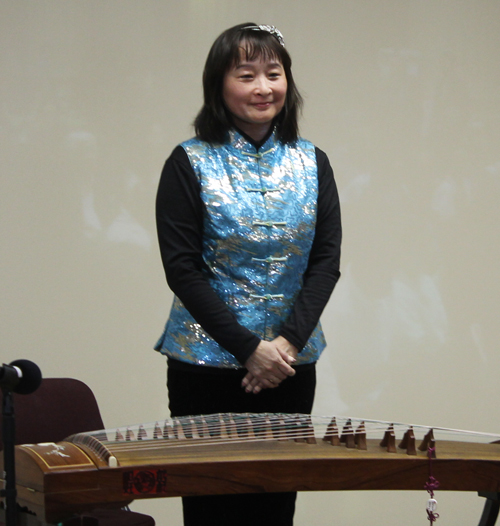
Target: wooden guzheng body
pixel 234 453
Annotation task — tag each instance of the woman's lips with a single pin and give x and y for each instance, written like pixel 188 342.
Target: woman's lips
pixel 262 105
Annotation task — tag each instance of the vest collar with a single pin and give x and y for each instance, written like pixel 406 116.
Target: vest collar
pixel 243 143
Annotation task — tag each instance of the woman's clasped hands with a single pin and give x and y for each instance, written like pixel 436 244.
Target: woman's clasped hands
pixel 269 365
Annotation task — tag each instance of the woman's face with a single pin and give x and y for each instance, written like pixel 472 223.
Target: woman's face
pixel 254 92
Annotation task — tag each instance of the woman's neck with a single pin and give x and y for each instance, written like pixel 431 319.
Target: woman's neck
pixel 252 140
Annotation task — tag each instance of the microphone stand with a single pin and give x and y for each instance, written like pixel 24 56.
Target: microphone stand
pixel 8 438
pixel 23 377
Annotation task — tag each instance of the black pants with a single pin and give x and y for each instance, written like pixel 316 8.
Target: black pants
pixel 211 391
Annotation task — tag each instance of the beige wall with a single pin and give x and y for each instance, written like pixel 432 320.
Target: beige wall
pixel 403 96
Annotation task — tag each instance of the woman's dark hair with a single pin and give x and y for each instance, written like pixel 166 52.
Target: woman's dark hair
pixel 214 120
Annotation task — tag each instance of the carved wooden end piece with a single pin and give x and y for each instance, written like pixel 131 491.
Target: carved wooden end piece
pixel 332 433
pixel 304 430
pixel 408 442
pixel 352 439
pixel 389 440
pixel 360 437
pixel 157 433
pixel 347 436
pixel 428 443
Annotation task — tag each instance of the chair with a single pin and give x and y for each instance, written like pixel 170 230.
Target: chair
pixel 61 407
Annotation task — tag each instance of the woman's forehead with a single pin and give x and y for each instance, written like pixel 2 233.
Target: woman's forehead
pixel 249 52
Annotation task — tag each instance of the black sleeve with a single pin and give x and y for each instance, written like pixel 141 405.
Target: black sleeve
pixel 179 219
pixel 323 267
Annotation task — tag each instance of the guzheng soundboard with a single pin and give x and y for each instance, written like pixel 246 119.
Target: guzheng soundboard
pixel 243 453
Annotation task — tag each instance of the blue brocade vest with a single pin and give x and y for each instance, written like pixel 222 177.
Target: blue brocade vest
pixel 258 231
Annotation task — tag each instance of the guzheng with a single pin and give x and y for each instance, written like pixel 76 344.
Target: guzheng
pixel 243 453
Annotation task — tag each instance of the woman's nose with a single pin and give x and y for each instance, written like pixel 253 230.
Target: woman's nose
pixel 262 86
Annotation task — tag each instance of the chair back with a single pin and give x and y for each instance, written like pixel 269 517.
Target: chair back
pixel 60 407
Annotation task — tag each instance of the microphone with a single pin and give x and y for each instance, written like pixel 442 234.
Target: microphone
pixel 20 376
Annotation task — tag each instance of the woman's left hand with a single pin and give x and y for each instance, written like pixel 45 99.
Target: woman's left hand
pixel 252 384
pixel 284 345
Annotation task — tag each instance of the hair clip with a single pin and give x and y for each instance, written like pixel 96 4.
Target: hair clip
pixel 270 29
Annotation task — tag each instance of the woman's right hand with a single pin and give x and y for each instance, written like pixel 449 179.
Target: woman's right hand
pixel 267 367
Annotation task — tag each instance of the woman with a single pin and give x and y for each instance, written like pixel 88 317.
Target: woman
pixel 249 229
